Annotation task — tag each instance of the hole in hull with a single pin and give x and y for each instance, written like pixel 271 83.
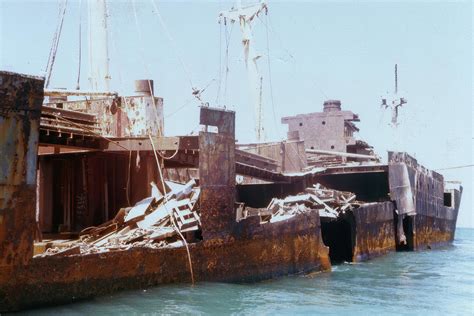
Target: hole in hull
pixel 338 235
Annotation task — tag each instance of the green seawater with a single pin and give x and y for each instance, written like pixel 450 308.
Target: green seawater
pixel 432 282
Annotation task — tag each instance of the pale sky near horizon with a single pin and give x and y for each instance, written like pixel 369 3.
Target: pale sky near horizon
pixel 317 50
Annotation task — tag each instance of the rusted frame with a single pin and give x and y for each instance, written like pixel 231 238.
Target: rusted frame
pixel 354 169
pixel 255 160
pixel 161 143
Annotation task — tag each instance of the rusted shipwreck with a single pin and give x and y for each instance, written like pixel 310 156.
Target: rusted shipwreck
pixel 295 206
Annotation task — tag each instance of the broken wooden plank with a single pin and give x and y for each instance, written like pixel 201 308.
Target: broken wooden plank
pixel 140 208
pixel 161 233
pixel 159 214
pixel 76 250
pixel 296 198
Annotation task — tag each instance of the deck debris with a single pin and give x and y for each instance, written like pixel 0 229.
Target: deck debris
pixel 147 224
pixel 329 203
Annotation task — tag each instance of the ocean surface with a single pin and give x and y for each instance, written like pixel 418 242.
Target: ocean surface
pixel 433 282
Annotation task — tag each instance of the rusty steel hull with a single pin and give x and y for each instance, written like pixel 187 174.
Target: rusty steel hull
pixel 432 223
pixel 258 252
pixel 435 226
pixel 21 97
pixel 432 232
pixel 374 231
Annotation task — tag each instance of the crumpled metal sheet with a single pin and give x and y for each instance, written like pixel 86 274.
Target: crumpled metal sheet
pixel 401 188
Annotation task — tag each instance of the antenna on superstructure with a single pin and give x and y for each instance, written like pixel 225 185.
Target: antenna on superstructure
pixel 245 15
pixel 396 79
pixel 394 101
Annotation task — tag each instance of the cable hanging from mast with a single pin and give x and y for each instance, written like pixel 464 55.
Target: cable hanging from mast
pixel 55 43
pixel 195 91
pixel 270 74
pixel 456 167
pixel 78 86
pixel 220 65
pixel 228 35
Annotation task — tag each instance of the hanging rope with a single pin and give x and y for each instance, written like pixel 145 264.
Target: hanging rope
pixel 147 70
pixel 220 65
pixel 54 46
pixel 140 37
pixel 174 154
pixel 270 78
pixel 115 51
pixel 78 87
pixel 173 223
pixel 127 189
pixel 180 108
pixel 228 35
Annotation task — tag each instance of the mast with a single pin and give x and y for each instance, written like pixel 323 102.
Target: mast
pixel 99 76
pixel 394 101
pixel 245 15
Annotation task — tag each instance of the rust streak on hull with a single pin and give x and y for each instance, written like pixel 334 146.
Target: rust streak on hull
pixel 375 231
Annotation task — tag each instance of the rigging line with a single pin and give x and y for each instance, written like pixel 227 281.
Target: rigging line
pixel 270 79
pixel 170 38
pixel 457 167
pixel 220 64
pixel 78 87
pixel 140 37
pixel 320 90
pixel 53 41
pixel 173 223
pixel 127 188
pixel 228 35
pixel 147 70
pixel 173 155
pixel 198 93
pixel 180 108
pixel 193 130
pixel 189 100
pixel 272 29
pixel 54 50
pixel 114 47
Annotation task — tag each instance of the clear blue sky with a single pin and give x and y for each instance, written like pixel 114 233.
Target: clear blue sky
pixel 318 50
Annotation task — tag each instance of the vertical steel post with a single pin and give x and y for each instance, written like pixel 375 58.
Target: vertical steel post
pixel 21 98
pixel 217 173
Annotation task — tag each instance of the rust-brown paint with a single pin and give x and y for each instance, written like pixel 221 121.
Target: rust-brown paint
pixel 374 230
pixel 260 252
pixel 230 251
pixel 434 223
pixel 20 110
pixel 431 232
